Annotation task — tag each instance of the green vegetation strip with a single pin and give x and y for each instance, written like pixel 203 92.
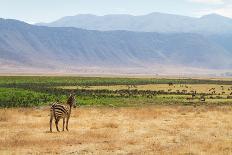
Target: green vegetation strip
pixel 28 91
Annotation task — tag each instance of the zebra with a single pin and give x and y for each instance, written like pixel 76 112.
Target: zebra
pixel 59 111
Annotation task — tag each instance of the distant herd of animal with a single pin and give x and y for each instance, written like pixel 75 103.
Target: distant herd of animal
pixel 60 111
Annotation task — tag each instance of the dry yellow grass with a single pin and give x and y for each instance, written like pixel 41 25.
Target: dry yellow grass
pixel 138 130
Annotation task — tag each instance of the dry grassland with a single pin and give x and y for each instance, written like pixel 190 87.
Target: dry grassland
pixel 137 130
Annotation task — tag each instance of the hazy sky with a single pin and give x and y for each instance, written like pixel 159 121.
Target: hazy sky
pixel 33 11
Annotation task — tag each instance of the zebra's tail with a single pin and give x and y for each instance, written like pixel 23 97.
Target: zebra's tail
pixel 52 110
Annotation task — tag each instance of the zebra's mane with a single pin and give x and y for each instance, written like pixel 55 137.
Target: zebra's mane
pixel 71 99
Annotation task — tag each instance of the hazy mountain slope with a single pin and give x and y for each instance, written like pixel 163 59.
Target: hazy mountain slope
pixel 224 40
pixel 46 47
pixel 154 22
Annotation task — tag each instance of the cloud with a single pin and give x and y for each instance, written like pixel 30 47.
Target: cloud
pixel 224 11
pixel 208 1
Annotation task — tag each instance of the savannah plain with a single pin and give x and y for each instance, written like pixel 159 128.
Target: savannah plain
pixel 117 116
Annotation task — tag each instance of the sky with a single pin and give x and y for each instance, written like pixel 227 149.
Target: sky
pixel 34 11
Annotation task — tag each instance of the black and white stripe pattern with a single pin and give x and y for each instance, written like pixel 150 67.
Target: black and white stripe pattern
pixel 61 111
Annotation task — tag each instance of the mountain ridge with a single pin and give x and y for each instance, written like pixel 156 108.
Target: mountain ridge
pixel 153 22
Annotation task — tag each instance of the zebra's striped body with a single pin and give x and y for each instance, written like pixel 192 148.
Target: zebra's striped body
pixel 61 111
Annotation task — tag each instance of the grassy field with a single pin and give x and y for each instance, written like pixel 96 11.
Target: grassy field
pixel 127 130
pixel 29 91
pixel 117 115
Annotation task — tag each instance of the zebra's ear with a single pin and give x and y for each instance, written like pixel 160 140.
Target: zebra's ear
pixel 71 94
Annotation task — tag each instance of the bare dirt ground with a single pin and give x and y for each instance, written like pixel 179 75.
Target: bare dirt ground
pixel 137 130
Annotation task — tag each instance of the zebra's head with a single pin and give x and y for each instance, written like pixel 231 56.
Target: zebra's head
pixel 72 100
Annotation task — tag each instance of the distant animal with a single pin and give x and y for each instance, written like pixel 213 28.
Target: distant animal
pixel 211 89
pixel 184 91
pixel 214 92
pixel 62 111
pixel 202 98
pixel 222 87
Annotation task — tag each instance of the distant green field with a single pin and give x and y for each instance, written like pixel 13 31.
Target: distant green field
pixel 29 91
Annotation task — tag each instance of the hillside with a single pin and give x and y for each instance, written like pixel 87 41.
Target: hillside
pixel 27 46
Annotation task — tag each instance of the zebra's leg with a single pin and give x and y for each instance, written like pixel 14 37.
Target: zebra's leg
pixel 67 123
pixel 63 123
pixel 51 118
pixel 57 127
